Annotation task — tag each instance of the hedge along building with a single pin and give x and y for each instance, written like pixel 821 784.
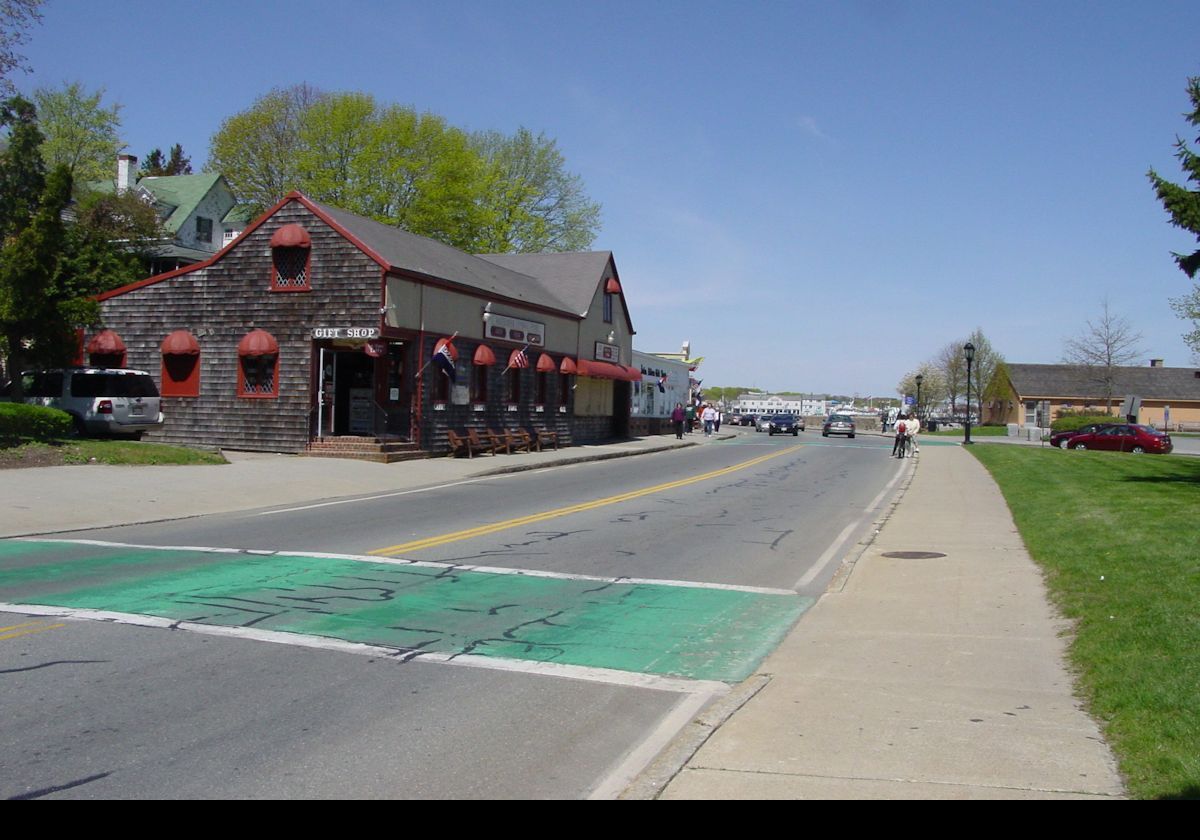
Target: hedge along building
pixel 316 322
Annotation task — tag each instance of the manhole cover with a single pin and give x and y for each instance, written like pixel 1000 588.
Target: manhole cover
pixel 913 555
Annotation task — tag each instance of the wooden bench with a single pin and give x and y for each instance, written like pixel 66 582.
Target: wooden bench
pixel 519 440
pixel 459 443
pixel 491 445
pixel 545 436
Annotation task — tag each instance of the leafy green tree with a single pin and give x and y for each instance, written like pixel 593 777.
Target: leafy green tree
pixel 1183 206
pixel 257 149
pixel 533 204
pixel 80 133
pixel 36 313
pixel 486 193
pixel 22 172
pixel 110 243
pixel 16 16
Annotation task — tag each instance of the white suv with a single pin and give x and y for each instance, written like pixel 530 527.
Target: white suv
pixel 103 401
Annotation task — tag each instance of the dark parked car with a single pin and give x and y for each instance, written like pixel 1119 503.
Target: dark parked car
pixel 785 424
pixel 838 424
pixel 1061 439
pixel 1124 437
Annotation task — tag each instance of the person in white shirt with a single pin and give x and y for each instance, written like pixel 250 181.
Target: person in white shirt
pixel 911 427
pixel 708 416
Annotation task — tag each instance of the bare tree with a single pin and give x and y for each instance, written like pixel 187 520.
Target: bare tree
pixel 952 365
pixel 16 16
pixel 1106 345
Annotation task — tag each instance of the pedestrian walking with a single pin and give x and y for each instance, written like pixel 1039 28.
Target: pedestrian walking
pixel 677 417
pixel 708 415
pixel 901 439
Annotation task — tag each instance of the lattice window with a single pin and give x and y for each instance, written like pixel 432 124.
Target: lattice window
pixel 259 375
pixel 291 270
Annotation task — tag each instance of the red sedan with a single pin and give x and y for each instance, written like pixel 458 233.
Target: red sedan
pixel 1124 438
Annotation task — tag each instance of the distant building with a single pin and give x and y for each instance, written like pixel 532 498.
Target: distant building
pixel 1034 395
pixel 665 382
pixel 757 403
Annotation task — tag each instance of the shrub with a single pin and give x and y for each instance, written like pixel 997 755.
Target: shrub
pixel 32 422
pixel 1071 422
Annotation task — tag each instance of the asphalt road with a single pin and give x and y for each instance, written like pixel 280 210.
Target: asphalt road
pixel 529 635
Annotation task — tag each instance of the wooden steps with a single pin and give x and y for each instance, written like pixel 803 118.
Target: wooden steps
pixel 379 450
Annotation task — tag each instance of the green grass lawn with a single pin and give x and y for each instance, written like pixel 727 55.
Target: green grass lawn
pixel 97 451
pixel 1117 537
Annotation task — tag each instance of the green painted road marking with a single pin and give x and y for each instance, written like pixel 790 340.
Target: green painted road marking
pixel 698 633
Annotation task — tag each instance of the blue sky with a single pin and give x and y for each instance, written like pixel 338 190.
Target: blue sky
pixel 818 195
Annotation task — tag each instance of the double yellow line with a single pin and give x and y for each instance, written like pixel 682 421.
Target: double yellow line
pixel 484 530
pixel 16 630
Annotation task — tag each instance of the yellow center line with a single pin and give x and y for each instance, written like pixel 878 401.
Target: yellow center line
pixel 484 530
pixel 31 627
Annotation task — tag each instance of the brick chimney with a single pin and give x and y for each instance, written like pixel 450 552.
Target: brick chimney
pixel 126 172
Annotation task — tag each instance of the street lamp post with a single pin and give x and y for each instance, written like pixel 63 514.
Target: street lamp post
pixel 969 352
pixel 919 379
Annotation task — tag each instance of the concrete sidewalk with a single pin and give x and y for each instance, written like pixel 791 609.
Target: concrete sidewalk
pixel 935 671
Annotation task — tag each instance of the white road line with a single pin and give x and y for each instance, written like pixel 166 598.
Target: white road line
pixel 835 548
pixel 381 495
pixel 639 759
pixel 704 689
pixel 428 564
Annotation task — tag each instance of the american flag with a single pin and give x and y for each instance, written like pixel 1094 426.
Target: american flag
pixel 520 359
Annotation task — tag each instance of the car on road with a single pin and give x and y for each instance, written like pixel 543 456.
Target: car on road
pixel 838 424
pixel 784 424
pixel 762 423
pixel 1124 437
pixel 1062 439
pixel 101 401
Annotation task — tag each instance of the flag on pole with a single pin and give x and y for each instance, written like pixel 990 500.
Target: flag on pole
pixel 518 359
pixel 445 362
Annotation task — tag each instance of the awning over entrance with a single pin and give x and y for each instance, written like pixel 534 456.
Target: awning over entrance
pixel 545 364
pixel 608 370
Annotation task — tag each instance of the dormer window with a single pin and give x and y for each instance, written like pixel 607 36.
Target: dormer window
pixel 291 260
pixel 203 229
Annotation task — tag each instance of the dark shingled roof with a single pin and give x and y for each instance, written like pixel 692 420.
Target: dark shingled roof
pixel 1149 383
pixel 572 277
pixel 406 251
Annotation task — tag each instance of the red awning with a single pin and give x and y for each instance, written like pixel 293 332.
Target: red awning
pixel 106 343
pixel 613 286
pixel 545 364
pixel 258 343
pixel 291 236
pixel 518 359
pixel 568 366
pixel 484 355
pixel 607 370
pixel 180 343
pixel 447 343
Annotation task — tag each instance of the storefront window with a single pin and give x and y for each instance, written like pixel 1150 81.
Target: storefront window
pixel 479 381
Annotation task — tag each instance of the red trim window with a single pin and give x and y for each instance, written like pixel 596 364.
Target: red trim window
pixel 291 260
pixel 180 365
pixel 258 366
pixel 514 385
pixel 479 383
